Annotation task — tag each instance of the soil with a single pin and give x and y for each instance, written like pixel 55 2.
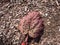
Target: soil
pixel 12 11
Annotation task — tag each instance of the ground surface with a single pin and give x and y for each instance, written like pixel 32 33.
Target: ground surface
pixel 11 12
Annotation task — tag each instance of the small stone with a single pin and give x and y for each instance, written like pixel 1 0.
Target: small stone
pixel 2 26
pixel 16 25
pixel 2 17
pixel 48 22
pixel 32 44
pixel 11 25
pixel 16 37
pixel 50 17
pixel 10 17
pixel 46 14
pixel 26 8
pixel 59 28
pixel 11 12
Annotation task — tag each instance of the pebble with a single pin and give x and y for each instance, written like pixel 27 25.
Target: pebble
pixel 46 14
pixel 16 37
pixel 8 35
pixel 2 17
pixel 32 44
pixel 59 28
pixel 26 8
pixel 10 17
pixel 2 26
pixel 50 17
pixel 11 25
pixel 48 22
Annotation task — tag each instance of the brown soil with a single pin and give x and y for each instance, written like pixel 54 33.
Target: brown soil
pixel 11 12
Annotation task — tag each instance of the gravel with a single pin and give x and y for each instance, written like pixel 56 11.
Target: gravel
pixel 12 12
